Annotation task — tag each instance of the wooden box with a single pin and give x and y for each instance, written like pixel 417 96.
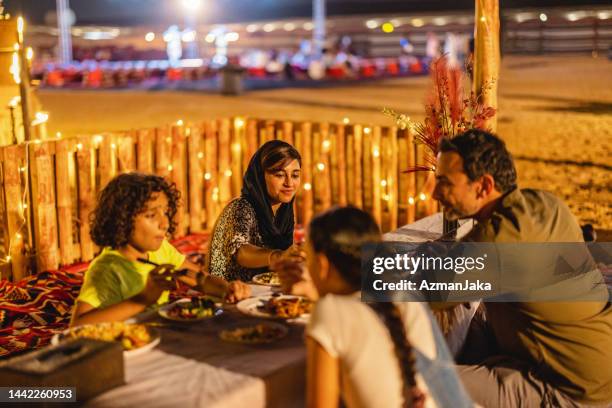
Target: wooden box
pixel 91 366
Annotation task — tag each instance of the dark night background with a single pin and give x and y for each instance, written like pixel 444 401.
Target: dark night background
pixel 129 12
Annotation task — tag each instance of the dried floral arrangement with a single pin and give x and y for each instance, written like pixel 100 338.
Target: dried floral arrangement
pixel 448 111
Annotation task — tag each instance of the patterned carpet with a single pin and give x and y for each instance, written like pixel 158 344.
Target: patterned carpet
pixel 35 308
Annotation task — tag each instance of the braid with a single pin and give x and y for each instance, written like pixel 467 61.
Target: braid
pixel 391 317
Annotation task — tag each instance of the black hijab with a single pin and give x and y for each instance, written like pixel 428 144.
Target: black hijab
pixel 276 232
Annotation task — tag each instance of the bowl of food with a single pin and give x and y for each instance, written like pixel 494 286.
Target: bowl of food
pixel 135 338
pixel 261 333
pixel 190 310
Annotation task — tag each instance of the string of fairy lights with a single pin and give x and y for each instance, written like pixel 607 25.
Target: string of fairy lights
pixel 40 118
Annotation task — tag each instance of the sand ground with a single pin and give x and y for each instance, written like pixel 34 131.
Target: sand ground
pixel 554 112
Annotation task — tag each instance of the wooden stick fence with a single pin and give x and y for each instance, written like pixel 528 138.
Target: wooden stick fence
pixel 341 164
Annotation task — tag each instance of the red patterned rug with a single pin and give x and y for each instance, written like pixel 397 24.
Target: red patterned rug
pixel 35 308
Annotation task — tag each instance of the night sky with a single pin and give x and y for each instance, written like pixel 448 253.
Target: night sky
pixel 130 12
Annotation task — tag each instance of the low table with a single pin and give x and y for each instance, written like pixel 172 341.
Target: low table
pixel 192 367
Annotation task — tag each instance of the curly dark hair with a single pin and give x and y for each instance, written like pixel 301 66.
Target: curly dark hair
pixel 483 153
pixel 339 233
pixel 123 198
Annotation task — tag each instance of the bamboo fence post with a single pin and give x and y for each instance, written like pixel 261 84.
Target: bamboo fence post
pixel 196 179
pixel 178 175
pixel 339 151
pixel 486 54
pixel 324 146
pixel 307 201
pixel 125 153
pixel 368 162
pixel 376 174
pixel 237 142
pixel 421 207
pixel 297 202
pixel 163 143
pixel 107 164
pixel 63 155
pixel 252 142
pixel 211 191
pixel 391 164
pixel 225 169
pixel 86 188
pixel 144 152
pixel 16 220
pixel 288 132
pixel 358 169
pixel 406 180
pixel 45 221
pixel 350 164
pixel 270 130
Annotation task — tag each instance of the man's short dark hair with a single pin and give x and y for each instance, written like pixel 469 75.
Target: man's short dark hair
pixel 483 152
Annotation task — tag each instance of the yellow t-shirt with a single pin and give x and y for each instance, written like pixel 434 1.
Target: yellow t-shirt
pixel 111 278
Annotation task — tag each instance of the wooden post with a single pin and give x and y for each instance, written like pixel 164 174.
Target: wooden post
pixel 305 149
pixel 107 165
pixel 367 168
pixel 163 144
pixel 406 180
pixel 252 143
pixel 376 174
pixel 196 179
pixel 486 54
pixel 211 191
pixel 225 168
pixel 45 221
pixel 15 214
pixel 288 132
pixel 178 175
pixel 325 172
pixel 350 164
pixel 144 152
pixel 358 169
pixel 339 152
pixel 86 176
pixel 391 171
pixel 125 153
pixel 64 151
pixel 237 142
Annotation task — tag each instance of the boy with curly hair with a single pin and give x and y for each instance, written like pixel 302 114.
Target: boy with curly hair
pixel 134 215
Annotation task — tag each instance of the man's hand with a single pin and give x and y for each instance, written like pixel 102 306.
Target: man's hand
pixel 295 279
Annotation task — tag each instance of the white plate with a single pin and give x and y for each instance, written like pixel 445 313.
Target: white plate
pixel 155 334
pixel 225 334
pixel 258 279
pixel 163 312
pixel 251 305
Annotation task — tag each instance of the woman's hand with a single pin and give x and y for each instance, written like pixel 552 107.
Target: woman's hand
pixel 236 291
pixel 295 279
pixel 295 253
pixel 159 280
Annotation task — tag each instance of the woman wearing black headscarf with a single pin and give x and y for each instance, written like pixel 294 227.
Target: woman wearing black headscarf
pixel 256 229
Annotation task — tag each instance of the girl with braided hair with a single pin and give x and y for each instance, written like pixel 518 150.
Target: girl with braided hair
pixel 368 355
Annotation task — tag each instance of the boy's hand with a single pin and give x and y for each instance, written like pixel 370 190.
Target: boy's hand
pixel 159 280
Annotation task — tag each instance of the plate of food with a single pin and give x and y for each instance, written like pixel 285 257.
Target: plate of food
pixel 261 333
pixel 190 310
pixel 135 338
pixel 276 306
pixel 267 278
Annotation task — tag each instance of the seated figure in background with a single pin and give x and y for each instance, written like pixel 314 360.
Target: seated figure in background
pixel 256 229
